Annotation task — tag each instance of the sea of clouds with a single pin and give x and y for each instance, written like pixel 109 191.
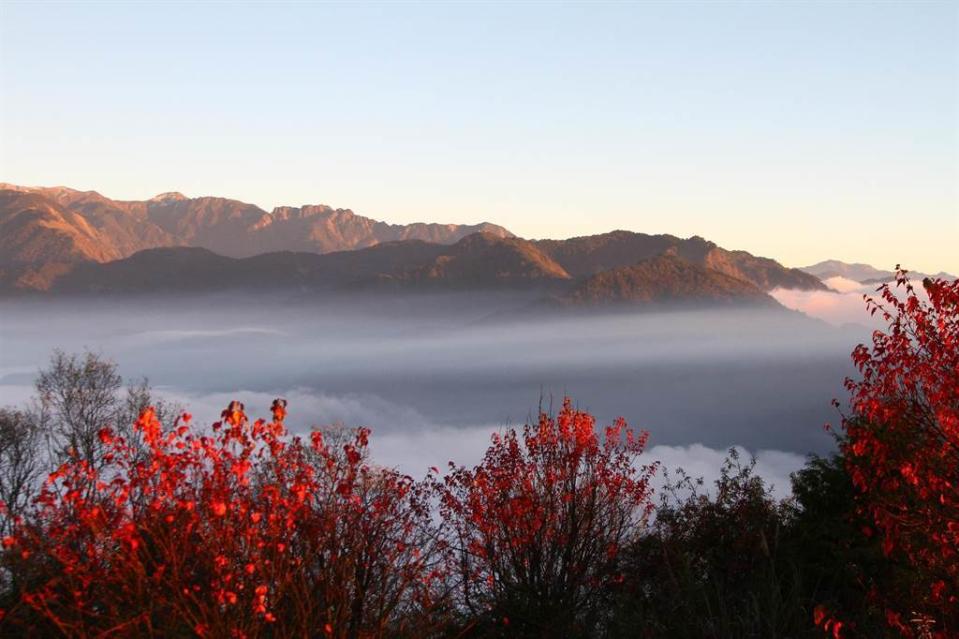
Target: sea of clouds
pixel 435 377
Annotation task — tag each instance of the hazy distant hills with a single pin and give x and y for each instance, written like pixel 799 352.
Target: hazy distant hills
pixel 863 273
pixel 61 240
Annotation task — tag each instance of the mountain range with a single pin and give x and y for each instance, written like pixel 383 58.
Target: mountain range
pixel 862 273
pixel 42 229
pixel 60 240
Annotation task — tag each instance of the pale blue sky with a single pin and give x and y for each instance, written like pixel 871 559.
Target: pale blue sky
pixel 801 131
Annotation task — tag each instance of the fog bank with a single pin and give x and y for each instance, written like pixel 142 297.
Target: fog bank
pixel 434 375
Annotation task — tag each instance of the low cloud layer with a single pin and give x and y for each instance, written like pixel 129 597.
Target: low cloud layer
pixel 844 304
pixel 434 376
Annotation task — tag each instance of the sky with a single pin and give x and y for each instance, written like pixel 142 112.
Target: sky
pixel 800 131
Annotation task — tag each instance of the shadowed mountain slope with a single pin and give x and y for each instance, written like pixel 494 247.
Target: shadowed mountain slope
pixel 665 280
pixel 475 262
pixel 583 256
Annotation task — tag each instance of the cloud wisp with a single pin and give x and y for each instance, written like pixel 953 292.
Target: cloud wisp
pixel 844 304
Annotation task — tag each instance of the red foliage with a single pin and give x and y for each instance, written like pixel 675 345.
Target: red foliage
pixel 539 524
pixel 902 438
pixel 235 534
pixel 830 626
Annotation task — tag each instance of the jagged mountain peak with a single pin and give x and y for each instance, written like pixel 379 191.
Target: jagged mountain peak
pixel 91 227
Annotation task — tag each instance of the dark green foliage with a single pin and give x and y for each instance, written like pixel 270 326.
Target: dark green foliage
pixel 713 564
pixel 736 562
pixel 838 552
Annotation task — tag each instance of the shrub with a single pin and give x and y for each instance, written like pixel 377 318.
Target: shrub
pixel 902 443
pixel 242 532
pixel 714 564
pixel 539 524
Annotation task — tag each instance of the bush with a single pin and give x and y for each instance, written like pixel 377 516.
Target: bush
pixel 539 525
pixel 901 443
pixel 239 533
pixel 713 564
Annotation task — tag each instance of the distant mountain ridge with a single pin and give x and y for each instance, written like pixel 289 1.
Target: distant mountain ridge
pixel 65 241
pixel 863 273
pixel 39 225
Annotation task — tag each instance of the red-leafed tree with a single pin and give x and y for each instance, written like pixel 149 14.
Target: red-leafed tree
pixel 241 532
pixel 539 524
pixel 902 442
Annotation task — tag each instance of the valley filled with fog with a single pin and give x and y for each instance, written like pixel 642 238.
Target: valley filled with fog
pixel 434 374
